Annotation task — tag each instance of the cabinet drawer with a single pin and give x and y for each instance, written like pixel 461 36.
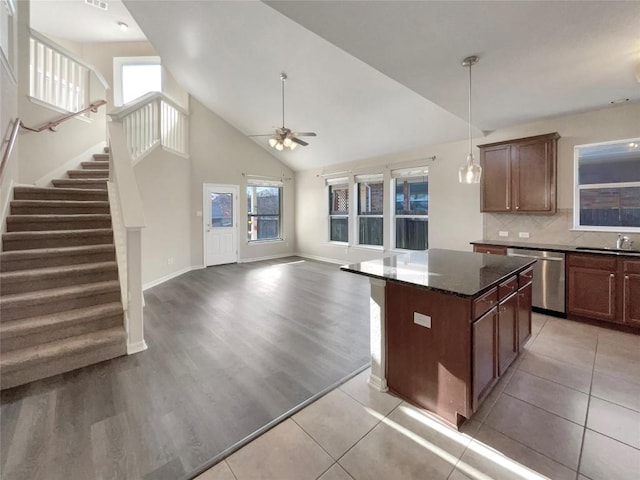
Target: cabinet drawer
pixel 507 288
pixel 596 262
pixel 631 266
pixel 525 277
pixel 483 303
pixel 493 249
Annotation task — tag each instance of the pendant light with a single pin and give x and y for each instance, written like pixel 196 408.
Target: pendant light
pixel 471 171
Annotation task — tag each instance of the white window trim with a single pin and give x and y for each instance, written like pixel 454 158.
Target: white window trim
pixel 368 178
pixel 258 182
pixel 577 188
pixel 400 175
pixel 118 63
pixel 332 182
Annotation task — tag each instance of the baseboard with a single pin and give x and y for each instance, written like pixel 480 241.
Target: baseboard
pixel 137 347
pixel 160 280
pixel 5 209
pixel 72 164
pixel 321 259
pixel 268 257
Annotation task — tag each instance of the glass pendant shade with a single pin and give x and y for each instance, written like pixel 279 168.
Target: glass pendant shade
pixel 273 142
pixel 279 146
pixel 293 145
pixel 470 172
pixel 287 142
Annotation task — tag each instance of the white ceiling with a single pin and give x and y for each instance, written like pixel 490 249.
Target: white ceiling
pixel 76 21
pixel 374 78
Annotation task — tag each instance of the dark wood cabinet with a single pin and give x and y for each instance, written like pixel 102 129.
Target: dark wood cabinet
pixel 631 292
pixel 519 176
pixel 493 249
pixel 507 332
pixel 525 295
pixel 604 287
pixel 591 293
pixel 485 354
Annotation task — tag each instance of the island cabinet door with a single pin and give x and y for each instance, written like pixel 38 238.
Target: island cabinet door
pixel 524 314
pixel 507 332
pixel 631 293
pixel 485 355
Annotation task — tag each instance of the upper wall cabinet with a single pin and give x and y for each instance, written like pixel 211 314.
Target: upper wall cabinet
pixel 519 176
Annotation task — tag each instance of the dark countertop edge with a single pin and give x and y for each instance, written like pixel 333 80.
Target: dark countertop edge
pixel 345 268
pixel 555 248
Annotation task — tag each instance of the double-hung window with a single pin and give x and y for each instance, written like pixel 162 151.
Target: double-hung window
pixel 264 210
pixel 607 186
pixel 370 209
pixel 411 209
pixel 338 209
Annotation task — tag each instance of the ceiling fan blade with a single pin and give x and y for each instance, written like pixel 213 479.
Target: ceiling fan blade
pixel 304 134
pixel 261 135
pixel 299 142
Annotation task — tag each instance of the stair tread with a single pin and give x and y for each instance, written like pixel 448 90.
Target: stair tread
pixel 53 271
pixel 62 217
pixel 69 203
pixel 41 252
pixel 58 190
pixel 68 346
pixel 24 326
pixel 79 180
pixel 82 290
pixel 59 233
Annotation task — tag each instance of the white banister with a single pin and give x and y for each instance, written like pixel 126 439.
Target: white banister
pixel 58 77
pixel 153 120
pixel 128 222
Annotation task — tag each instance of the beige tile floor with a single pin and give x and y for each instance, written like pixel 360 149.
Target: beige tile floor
pixel 569 408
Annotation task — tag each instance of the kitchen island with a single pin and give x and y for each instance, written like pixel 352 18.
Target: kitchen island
pixel 445 325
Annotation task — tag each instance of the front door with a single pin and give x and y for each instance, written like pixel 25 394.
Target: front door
pixel 220 224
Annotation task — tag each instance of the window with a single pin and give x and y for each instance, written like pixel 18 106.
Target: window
pixel 134 77
pixel 411 208
pixel 370 203
pixel 338 209
pixel 7 12
pixel 264 208
pixel 607 186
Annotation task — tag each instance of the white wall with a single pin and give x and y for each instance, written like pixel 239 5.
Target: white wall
pixel 41 153
pixel 164 183
pixel 454 209
pixel 614 123
pixel 8 116
pixel 220 154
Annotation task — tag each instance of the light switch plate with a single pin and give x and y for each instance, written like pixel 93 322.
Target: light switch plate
pixel 523 234
pixel 422 320
pixel 502 233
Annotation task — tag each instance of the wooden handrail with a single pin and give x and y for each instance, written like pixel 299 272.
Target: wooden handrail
pixel 9 149
pixel 52 125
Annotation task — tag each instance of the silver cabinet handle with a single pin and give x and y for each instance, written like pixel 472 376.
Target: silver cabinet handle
pixel 612 276
pixel 624 298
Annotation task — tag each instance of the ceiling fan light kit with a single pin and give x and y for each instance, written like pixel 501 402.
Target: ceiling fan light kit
pixel 284 137
pixel 471 171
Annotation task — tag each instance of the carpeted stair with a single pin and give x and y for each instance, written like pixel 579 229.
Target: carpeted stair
pixel 60 305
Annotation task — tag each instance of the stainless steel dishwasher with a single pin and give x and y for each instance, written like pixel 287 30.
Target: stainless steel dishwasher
pixel 548 278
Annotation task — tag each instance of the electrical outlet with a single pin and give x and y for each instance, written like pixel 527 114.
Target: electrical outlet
pixel 170 261
pixel 523 234
pixel 502 233
pixel 199 213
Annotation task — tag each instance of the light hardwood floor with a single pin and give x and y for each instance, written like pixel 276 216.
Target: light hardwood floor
pixel 231 349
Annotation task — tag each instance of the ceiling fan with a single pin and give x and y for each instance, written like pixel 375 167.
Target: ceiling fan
pixel 282 136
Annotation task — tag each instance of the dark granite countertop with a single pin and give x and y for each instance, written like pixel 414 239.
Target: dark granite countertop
pixel 560 248
pixel 452 272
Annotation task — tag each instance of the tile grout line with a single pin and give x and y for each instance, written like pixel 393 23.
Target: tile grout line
pixel 584 431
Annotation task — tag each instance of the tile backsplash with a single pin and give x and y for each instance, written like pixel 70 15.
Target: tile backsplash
pixel 551 229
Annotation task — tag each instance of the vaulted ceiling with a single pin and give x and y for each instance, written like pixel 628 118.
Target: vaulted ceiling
pixel 378 77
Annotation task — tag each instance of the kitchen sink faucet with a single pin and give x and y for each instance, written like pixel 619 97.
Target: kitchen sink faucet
pixel 622 241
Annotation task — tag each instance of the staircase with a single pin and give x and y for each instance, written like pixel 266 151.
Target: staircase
pixel 60 304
